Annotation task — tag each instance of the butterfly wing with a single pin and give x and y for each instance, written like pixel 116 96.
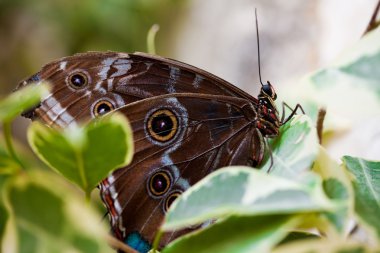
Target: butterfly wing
pixel 177 77
pixel 112 80
pixel 203 124
pixel 179 139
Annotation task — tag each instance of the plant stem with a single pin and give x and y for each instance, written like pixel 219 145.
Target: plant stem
pixel 373 23
pixel 150 38
pixel 156 241
pixel 8 142
pixel 320 120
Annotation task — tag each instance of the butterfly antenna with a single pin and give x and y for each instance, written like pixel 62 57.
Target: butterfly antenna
pixel 258 46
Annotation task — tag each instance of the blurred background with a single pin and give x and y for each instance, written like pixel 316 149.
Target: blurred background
pixel 297 36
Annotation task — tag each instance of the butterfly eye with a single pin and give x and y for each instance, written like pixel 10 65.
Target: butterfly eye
pixel 170 199
pixel 162 125
pixel 159 183
pixel 102 107
pixel 268 89
pixel 78 80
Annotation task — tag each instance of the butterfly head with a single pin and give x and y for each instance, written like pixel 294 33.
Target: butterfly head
pixel 82 87
pixel 268 91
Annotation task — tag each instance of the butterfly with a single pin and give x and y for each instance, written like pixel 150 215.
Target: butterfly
pixel 186 124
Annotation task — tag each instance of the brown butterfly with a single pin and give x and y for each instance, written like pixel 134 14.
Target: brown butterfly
pixel 186 123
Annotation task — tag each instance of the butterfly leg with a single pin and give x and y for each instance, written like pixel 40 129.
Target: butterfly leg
pixel 270 155
pixel 294 111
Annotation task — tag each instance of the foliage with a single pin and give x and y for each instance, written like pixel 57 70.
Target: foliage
pixel 46 218
pixel 84 155
pixel 366 178
pixel 38 211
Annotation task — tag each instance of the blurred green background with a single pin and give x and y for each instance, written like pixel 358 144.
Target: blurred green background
pixel 33 33
pixel 219 36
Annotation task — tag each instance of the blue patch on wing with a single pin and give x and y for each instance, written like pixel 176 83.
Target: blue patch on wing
pixel 135 241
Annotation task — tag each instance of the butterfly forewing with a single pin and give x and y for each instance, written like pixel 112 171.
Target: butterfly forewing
pixel 119 79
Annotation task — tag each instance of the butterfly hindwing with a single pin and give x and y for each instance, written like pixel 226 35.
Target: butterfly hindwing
pixel 206 132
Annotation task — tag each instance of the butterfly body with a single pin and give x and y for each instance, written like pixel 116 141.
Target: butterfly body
pixel 186 123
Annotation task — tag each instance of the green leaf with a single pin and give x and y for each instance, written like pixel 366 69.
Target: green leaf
pixel 328 168
pixel 49 218
pixel 84 155
pixel 296 236
pixel 245 191
pixel 337 186
pixel 366 185
pixel 236 234
pixel 364 67
pixel 7 164
pixel 337 191
pixel 21 100
pixel 295 149
pixel 348 88
pixel 323 246
pixel 365 51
